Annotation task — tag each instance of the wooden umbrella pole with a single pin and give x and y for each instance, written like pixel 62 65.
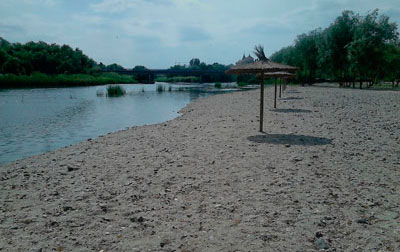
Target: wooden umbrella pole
pixel 262 102
pixel 275 92
pixel 280 87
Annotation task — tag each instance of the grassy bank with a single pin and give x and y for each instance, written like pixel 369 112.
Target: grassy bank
pixel 62 80
pixel 188 79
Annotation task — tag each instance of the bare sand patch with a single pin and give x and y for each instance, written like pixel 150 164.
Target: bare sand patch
pixel 325 174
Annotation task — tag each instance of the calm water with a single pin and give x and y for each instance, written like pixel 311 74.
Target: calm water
pixel 33 121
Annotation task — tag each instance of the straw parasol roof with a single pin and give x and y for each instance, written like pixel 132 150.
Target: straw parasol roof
pixel 283 75
pixel 261 66
pixel 279 74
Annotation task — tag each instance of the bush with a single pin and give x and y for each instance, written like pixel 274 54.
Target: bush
pixel 242 84
pixel 115 91
pixel 160 88
pixel 189 79
pixel 218 85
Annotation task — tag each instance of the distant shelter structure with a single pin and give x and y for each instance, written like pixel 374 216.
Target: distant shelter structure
pixel 245 60
pixel 262 66
pixel 280 75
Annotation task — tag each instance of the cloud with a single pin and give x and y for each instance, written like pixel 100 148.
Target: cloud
pixel 45 2
pixel 6 28
pixel 192 34
pixel 157 33
pixel 115 6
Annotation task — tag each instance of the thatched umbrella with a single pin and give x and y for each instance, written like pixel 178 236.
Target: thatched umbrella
pixel 280 75
pixel 261 66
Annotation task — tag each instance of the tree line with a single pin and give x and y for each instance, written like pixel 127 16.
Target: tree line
pixel 33 58
pixel 196 64
pixel 354 48
pixel 38 64
pixel 25 59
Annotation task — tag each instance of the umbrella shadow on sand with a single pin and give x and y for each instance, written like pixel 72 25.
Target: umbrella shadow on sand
pixel 289 139
pixel 291 98
pixel 291 110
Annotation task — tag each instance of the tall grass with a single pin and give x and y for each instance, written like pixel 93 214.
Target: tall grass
pixel 115 91
pixel 160 88
pixel 62 80
pixel 242 84
pixel 190 79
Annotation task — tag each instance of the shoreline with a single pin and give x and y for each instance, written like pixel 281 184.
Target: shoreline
pixel 17 150
pixel 209 181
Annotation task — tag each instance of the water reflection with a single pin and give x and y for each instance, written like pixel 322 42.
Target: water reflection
pixel 33 121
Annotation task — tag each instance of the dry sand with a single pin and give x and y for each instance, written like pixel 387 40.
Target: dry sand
pixel 325 174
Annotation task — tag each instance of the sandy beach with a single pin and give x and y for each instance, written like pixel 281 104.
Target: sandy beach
pixel 324 175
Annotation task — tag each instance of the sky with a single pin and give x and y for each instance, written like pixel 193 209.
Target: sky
pixel 161 33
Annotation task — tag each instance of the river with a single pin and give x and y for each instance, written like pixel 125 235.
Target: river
pixel 34 121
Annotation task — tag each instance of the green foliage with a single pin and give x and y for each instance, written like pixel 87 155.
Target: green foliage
pixel 112 68
pixel 187 79
pixel 115 91
pixel 248 78
pixel 145 78
pixel 367 49
pixel 160 88
pixel 218 85
pixel 196 64
pixel 352 48
pixel 24 59
pixel 41 57
pixel 242 84
pixel 163 79
pixel 389 69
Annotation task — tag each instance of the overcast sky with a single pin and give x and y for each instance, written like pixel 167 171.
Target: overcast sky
pixel 159 33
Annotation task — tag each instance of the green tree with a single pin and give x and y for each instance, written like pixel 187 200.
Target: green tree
pixel 366 51
pixel 333 60
pixel 306 46
pixel 390 67
pixel 352 47
pixel 13 65
pixel 194 62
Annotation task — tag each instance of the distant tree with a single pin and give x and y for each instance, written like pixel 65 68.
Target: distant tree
pixel 42 57
pixel 177 67
pixel 3 58
pixel 145 77
pixel 13 65
pixel 194 62
pixel 333 59
pixel 352 47
pixel 306 45
pixel 366 51
pixel 140 68
pixel 115 67
pixel 390 67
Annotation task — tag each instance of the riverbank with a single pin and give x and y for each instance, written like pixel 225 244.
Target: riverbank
pixel 325 175
pixel 62 80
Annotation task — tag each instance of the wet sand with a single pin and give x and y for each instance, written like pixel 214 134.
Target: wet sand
pixel 325 174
